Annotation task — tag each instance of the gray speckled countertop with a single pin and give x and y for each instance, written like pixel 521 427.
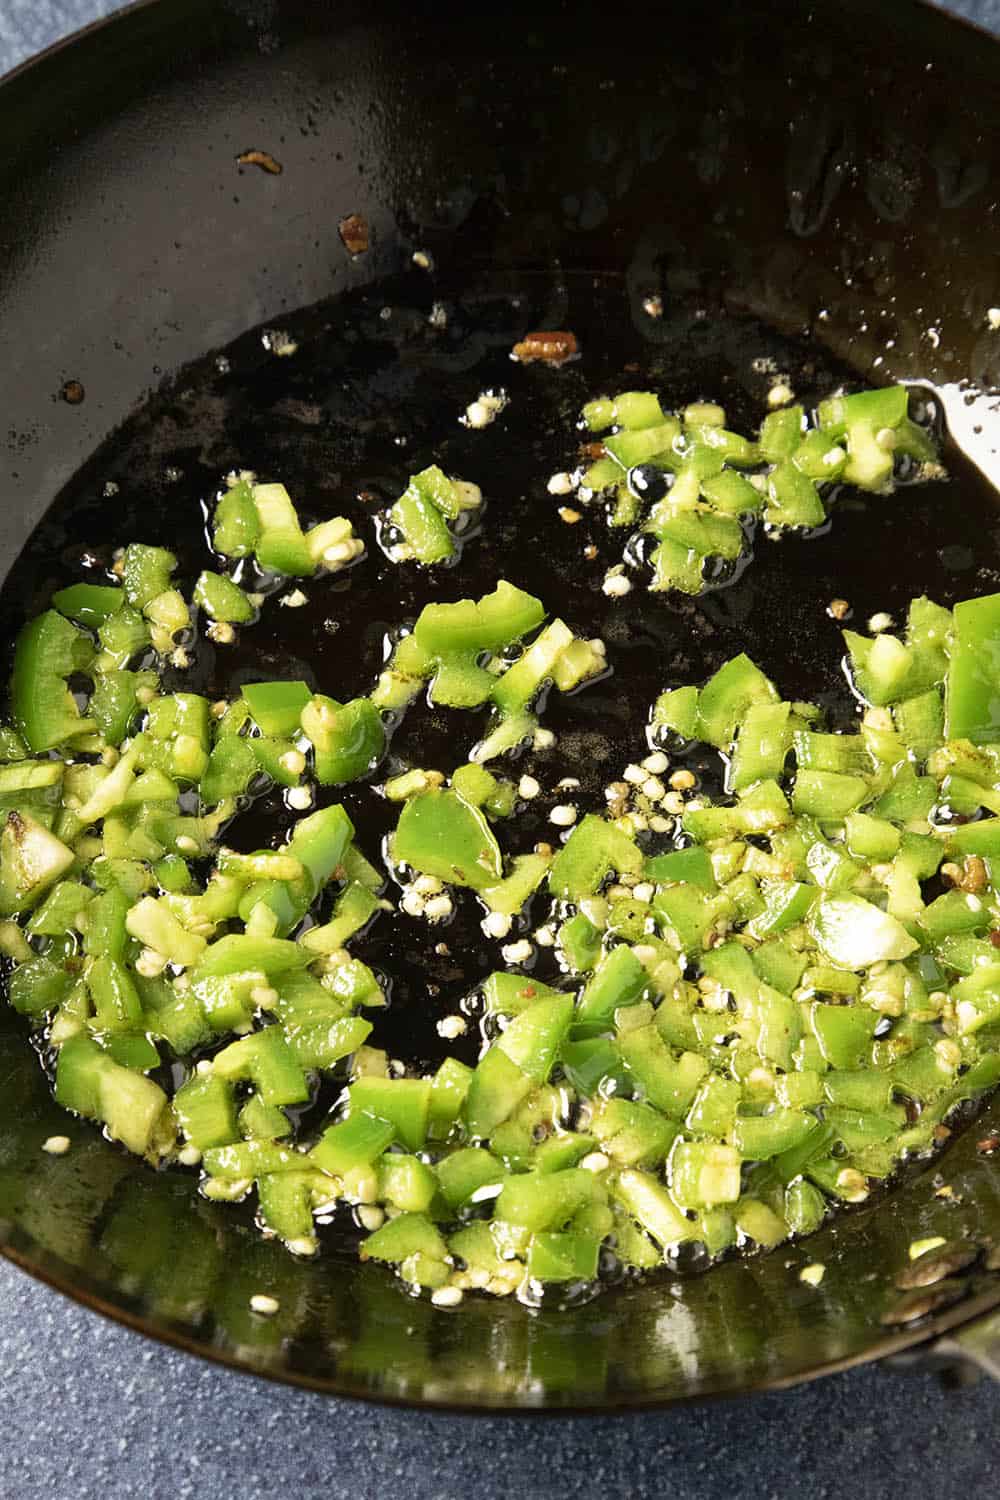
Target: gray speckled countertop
pixel 90 1409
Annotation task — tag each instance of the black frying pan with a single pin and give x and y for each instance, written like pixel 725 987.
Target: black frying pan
pixel 825 180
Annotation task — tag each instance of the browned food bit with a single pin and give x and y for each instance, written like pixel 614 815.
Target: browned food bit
pixel 995 937
pixel 353 232
pixel 974 875
pixel 72 393
pixel 592 450
pixel 552 348
pixel 838 609
pixel 988 1145
pixel 262 159
pixel 923 1301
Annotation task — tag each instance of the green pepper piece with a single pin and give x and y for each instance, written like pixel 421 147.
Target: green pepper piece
pixel 355 1142
pixel 592 1062
pixel 90 1082
pixel 276 707
pixel 619 980
pixel 406 1183
pixel 732 494
pixel 89 603
pixel 533 1038
pixel 459 682
pixel 38 986
pixel 474 625
pixel 49 649
pixel 676 566
pixel 231 767
pixel 705 533
pixel 760 1223
pixel 237 525
pixel 266 1058
pixel 423 527
pixel 703 1174
pixel 650 1203
pixel 646 445
pixel 871 838
pixel 122 635
pixel 853 933
pixel 804 1207
pixel 356 905
pixel 793 499
pixel 511 893
pixel 844 1032
pixel 762 745
pixel 470 1175
pixel 920 722
pixel 546 1200
pixel 677 709
pixel 409 1238
pixel 730 446
pixel 669 1083
pixel 280 547
pixel 885 407
pixel 30 775
pixel 631 1133
pixel 869 464
pixel 238 953
pixel 820 457
pixel 882 668
pixel 592 851
pixel 972 699
pixel 631 410
pixel 105 929
pixel 449 1089
pixel 563 1256
pixel 321 841
pixel 60 909
pixel 786 902
pixel 517 687
pixel 953 913
pixel 348 738
pixel 285 1200
pixel 441 834
pixel 580 943
pixel 31 860
pixel 496 1089
pixel 146 573
pixel 757 1137
pixel 114 703
pixel 780 434
pixel 206 1111
pixel 725 698
pixel 326 1044
pixel 693 866
pixel 223 599
pixel 404 1102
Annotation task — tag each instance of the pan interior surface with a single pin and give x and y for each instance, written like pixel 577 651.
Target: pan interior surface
pixel 767 242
